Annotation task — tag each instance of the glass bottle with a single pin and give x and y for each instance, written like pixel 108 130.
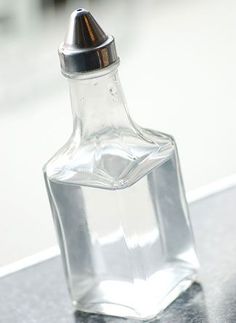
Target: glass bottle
pixel 116 192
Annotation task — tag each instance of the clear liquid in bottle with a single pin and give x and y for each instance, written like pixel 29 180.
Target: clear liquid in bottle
pixel 127 251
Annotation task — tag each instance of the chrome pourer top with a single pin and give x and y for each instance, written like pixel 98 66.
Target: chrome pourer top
pixel 86 47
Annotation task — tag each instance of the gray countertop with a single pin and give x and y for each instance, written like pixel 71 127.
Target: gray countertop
pixel 38 293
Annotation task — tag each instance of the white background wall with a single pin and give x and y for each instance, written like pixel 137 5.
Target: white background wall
pixel 178 72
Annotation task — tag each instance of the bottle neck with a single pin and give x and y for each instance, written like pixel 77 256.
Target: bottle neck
pixel 98 104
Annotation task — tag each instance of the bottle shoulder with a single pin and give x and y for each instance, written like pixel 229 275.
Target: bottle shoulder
pixel 112 160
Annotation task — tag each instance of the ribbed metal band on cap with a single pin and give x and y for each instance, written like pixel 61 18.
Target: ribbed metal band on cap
pixel 86 47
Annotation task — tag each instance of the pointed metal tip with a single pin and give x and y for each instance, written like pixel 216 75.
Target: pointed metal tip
pixel 84 31
pixel 86 46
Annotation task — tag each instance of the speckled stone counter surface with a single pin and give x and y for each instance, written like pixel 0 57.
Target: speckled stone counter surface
pixel 38 294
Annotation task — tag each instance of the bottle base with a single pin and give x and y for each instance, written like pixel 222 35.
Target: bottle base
pixel 142 304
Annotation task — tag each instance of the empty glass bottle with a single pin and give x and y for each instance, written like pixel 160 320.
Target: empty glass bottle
pixel 116 192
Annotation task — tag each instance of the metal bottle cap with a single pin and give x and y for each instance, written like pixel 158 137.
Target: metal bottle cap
pixel 86 47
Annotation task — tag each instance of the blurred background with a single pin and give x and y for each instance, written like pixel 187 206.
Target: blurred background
pixel 178 72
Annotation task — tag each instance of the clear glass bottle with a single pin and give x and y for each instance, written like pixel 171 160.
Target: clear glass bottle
pixel 117 196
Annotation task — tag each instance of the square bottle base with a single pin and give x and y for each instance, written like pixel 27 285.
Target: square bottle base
pixel 140 302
